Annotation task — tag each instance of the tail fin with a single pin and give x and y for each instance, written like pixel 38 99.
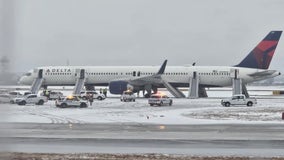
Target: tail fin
pixel 261 56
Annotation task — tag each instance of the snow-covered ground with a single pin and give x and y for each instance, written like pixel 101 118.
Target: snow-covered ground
pixel 183 111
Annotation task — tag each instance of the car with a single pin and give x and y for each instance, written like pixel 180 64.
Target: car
pixel 15 94
pixel 160 99
pixel 52 95
pixel 127 96
pixel 30 99
pixel 71 101
pixel 238 100
pixel 5 98
pixel 96 95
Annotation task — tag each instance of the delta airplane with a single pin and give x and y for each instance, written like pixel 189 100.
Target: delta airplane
pixel 253 67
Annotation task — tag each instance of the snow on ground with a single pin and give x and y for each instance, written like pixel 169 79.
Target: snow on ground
pixel 183 111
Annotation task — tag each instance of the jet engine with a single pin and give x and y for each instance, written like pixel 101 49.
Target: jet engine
pixel 117 87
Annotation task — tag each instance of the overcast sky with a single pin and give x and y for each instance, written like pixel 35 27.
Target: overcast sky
pixel 136 32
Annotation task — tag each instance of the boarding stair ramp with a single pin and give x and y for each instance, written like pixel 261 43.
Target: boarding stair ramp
pixel 37 82
pixel 174 91
pixel 194 90
pixel 238 86
pixel 80 82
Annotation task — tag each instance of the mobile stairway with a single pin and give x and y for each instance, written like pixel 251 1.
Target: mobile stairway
pixel 37 83
pixel 80 82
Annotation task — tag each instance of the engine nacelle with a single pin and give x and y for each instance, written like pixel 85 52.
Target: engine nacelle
pixel 117 87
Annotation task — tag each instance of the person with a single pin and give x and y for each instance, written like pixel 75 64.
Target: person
pixel 105 92
pixel 101 90
pixel 91 99
pixel 47 94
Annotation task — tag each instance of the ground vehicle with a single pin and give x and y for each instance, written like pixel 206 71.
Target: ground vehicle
pixel 52 95
pixel 14 94
pixel 95 94
pixel 160 99
pixel 71 101
pixel 238 100
pixel 5 98
pixel 30 99
pixel 127 96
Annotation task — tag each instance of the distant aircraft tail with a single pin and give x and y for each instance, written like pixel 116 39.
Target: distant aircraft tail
pixel 261 56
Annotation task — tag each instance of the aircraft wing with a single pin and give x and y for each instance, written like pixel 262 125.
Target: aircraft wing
pixel 152 79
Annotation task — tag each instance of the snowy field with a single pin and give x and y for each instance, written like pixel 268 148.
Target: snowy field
pixel 183 111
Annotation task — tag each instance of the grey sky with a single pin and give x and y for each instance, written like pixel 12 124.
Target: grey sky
pixel 139 32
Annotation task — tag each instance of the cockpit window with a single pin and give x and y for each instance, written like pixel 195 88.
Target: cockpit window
pixel 28 74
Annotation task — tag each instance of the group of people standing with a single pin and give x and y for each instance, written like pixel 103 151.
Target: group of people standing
pixel 103 91
pixel 90 97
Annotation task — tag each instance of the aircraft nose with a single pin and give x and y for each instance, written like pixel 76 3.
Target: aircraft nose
pixel 22 80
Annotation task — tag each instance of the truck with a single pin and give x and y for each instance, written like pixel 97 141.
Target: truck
pixel 30 99
pixel 127 96
pixel 238 100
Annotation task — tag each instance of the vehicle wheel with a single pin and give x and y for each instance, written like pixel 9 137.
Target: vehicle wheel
pixel 83 105
pixel 249 104
pixel 151 104
pixel 63 105
pixel 147 95
pixel 227 104
pixel 171 102
pixel 40 102
pixel 23 103
pixel 100 98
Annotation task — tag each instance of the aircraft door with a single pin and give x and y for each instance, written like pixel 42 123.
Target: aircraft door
pixel 40 73
pixel 82 73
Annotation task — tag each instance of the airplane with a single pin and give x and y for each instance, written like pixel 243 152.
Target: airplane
pixel 254 67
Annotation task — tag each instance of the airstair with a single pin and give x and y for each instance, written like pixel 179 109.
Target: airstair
pixel 193 86
pixel 80 82
pixel 37 83
pixel 236 81
pixel 174 91
pixel 238 86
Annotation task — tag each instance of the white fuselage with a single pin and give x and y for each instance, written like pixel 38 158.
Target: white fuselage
pixel 179 75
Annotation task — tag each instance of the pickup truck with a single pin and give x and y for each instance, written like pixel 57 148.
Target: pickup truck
pixel 127 96
pixel 238 100
pixel 30 99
